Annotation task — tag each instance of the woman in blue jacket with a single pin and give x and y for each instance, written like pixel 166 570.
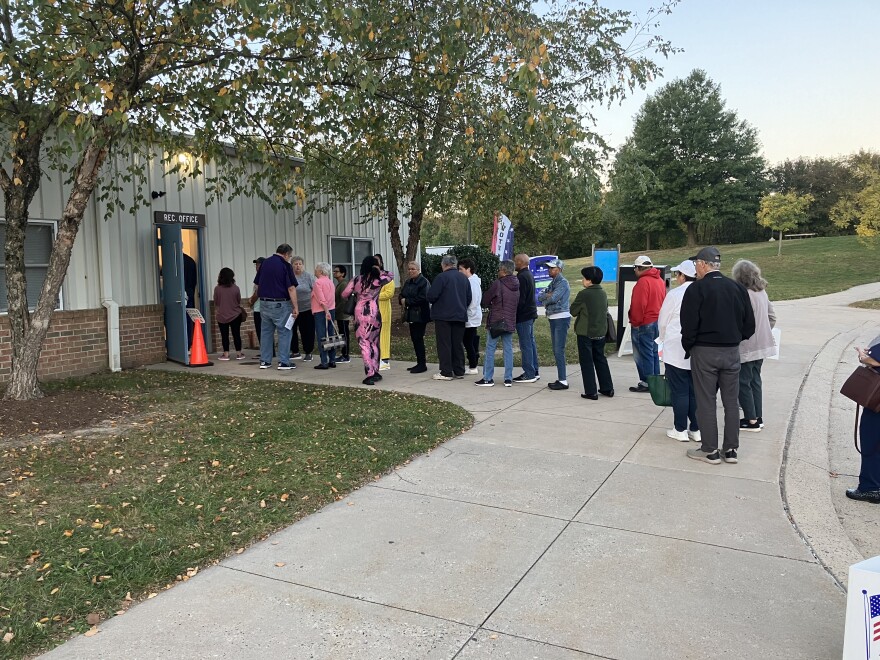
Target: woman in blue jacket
pixel 556 301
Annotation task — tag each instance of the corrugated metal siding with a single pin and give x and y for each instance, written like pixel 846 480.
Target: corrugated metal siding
pixel 237 232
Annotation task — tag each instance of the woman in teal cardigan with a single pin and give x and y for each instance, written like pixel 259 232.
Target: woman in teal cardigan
pixel 590 310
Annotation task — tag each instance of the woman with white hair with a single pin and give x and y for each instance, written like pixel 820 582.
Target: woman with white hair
pixel 756 348
pixel 323 301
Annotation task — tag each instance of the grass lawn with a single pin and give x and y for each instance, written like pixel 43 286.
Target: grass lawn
pixel 874 303
pixel 807 267
pixel 204 467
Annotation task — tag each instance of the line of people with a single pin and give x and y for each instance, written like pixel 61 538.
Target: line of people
pixel 715 334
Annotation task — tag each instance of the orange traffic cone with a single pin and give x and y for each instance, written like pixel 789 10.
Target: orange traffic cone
pixel 198 356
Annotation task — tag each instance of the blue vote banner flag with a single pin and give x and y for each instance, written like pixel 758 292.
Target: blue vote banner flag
pixel 502 237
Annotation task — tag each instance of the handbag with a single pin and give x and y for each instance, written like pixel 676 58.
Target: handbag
pixel 331 342
pixel 349 304
pixel 243 316
pixel 414 314
pixel 863 387
pixel 611 331
pixel 661 393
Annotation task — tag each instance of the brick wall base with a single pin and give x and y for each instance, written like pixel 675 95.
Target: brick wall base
pixel 76 343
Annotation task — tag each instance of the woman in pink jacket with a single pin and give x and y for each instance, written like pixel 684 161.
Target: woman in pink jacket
pixel 324 313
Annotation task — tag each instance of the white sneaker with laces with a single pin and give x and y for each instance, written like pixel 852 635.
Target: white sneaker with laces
pixel 439 376
pixel 471 372
pixel 695 436
pixel 681 436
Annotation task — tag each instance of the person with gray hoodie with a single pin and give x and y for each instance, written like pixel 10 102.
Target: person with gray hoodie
pixel 501 299
pixel 556 299
pixel 756 348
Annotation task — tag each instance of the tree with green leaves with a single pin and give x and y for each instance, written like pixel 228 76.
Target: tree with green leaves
pixel 691 164
pixel 826 179
pixel 783 212
pixel 452 94
pixel 83 82
pixel 860 207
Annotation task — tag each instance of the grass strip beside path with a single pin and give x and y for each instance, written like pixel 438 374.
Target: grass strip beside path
pixel 874 303
pixel 207 467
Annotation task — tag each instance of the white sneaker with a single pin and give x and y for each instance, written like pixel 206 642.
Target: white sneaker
pixel 681 436
pixel 694 436
pixel 441 377
pixel 471 372
pixel 384 365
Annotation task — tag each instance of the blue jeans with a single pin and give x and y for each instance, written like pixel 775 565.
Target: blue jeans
pixel 274 315
pixel 527 348
pixel 321 329
pixel 558 336
pixel 684 401
pixel 645 350
pixel 489 357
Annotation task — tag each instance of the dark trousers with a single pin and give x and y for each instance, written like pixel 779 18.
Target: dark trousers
pixel 472 346
pixel 417 334
pixel 715 368
pixel 750 389
pixel 344 331
pixel 236 334
pixel 684 400
pixel 258 325
pixel 450 347
pixel 869 438
pixel 305 325
pixel 591 356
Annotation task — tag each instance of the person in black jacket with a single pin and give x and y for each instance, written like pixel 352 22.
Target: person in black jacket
pixel 716 315
pixel 417 313
pixel 450 295
pixel 526 313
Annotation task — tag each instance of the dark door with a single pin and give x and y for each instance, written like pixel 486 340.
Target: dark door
pixel 171 287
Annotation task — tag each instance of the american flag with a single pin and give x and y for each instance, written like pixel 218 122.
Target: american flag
pixel 874 602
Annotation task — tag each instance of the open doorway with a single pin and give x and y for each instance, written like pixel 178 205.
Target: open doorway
pixel 181 285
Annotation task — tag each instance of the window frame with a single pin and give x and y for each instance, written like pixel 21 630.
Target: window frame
pixel 53 224
pixel 353 268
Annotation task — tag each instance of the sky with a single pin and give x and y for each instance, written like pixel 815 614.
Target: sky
pixel 804 73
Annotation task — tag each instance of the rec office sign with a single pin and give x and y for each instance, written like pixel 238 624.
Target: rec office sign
pixel 178 218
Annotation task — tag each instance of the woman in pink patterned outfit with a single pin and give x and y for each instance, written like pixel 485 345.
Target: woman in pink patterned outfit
pixel 366 314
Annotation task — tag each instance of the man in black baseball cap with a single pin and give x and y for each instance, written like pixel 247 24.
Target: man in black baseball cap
pixel 716 315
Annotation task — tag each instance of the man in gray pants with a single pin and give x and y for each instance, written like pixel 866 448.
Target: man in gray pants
pixel 716 315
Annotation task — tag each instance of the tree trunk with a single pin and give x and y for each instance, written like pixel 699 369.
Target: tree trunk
pixel 692 234
pixel 394 232
pixel 26 348
pixel 647 241
pixel 779 252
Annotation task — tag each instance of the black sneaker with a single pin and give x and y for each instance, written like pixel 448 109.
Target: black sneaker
pixel 343 360
pixel 418 369
pixel 285 367
pixel 730 456
pixel 508 383
pixel 556 385
pixel 761 422
pixel 485 383
pixel 307 357
pixel 746 425
pixel 639 388
pixel 296 356
pixel 522 378
pixel 265 365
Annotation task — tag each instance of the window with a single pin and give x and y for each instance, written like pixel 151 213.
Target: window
pixel 38 239
pixel 350 252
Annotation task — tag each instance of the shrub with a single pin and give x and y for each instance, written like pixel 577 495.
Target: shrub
pixel 487 263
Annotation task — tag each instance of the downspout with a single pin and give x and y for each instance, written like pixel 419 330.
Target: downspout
pixel 107 302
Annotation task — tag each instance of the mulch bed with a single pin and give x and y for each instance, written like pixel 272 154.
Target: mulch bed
pixel 65 411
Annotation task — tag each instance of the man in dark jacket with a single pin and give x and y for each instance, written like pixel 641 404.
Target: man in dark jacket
pixel 526 313
pixel 501 300
pixel 716 315
pixel 450 295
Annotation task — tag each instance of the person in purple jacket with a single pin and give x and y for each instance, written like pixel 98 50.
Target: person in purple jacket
pixel 501 299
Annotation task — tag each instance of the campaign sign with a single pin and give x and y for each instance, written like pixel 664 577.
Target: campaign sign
pixel 608 259
pixel 541 273
pixel 862 637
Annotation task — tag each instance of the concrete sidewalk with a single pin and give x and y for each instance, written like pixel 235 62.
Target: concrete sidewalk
pixel 555 528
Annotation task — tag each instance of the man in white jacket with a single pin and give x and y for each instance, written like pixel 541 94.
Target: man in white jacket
pixel 475 315
pixel 678 367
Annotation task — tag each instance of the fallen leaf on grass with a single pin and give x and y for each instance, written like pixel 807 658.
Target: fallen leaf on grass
pixel 93 619
pixel 54 591
pixel 91 632
pixel 262 504
pixel 284 497
pixel 152 595
pixel 239 551
pixel 68 532
pixel 8 637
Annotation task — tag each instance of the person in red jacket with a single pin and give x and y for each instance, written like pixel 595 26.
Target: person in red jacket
pixel 644 309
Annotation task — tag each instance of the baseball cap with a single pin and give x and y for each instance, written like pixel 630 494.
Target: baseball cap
pixel 643 261
pixel 710 255
pixel 259 260
pixel 686 267
pixel 554 263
